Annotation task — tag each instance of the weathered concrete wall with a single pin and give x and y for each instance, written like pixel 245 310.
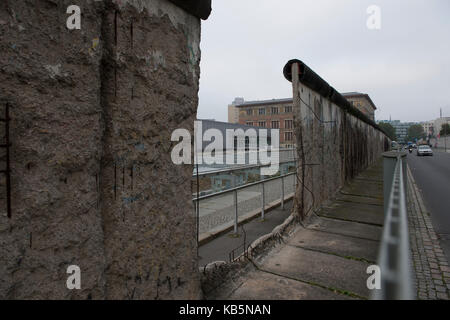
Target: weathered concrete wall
pixel 333 147
pixel 92 181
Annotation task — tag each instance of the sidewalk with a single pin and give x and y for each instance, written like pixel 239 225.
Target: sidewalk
pixel 219 248
pixel 325 259
pixel 431 268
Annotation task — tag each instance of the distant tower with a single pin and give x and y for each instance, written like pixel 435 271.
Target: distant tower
pixel 441 113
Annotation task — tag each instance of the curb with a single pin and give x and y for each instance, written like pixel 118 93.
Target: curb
pixel 416 190
pixel 431 270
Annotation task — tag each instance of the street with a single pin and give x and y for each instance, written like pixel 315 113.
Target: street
pixel 432 175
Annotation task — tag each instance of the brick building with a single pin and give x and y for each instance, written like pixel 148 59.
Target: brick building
pixel 362 102
pixel 278 113
pixel 274 114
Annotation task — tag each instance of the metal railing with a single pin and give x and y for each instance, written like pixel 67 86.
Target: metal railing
pixel 394 255
pixel 291 158
pixel 233 254
pixel 7 170
pixel 235 189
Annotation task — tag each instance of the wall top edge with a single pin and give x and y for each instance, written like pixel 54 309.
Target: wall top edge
pixel 199 8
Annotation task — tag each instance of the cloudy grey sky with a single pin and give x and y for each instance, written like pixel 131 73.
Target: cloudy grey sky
pixel 404 67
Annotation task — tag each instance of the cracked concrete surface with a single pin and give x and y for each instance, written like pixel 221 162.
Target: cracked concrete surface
pixel 325 259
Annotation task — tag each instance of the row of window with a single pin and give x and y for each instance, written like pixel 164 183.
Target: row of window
pixel 272 110
pixel 288 124
pixel 288 136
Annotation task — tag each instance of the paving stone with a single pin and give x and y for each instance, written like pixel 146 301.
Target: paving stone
pixel 438 282
pixel 316 267
pixel 442 296
pixel 434 265
pixel 445 268
pixel 262 286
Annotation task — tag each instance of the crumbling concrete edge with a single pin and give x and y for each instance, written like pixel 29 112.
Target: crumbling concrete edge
pixel 265 243
pixel 216 273
pixel 206 237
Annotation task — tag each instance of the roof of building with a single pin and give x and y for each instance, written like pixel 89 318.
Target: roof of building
pixel 359 95
pixel 208 123
pixel 264 102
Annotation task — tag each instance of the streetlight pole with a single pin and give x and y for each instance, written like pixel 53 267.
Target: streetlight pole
pixel 445 137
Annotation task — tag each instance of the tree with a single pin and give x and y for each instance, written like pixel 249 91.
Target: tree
pixel 416 132
pixel 389 129
pixel 445 129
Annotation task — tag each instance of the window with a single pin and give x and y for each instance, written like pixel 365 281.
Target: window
pixel 249 112
pixel 288 109
pixel 274 110
pixel 249 123
pixel 288 124
pixel 288 136
pixel 275 124
pixel 262 124
pixel 262 111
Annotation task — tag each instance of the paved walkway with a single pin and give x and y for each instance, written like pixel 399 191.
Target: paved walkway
pixel 220 248
pixel 326 259
pixel 218 212
pixel 432 271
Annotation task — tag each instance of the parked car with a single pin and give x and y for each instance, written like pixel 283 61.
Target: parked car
pixel 424 150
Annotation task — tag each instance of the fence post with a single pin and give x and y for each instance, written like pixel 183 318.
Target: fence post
pixel 262 200
pixel 295 178
pixel 394 257
pixel 235 202
pixel 197 217
pixel 282 193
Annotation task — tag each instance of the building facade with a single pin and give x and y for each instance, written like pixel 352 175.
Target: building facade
pixel 438 123
pixel 401 129
pixel 274 114
pixel 428 128
pixel 207 124
pixel 233 111
pixel 362 102
pixel 278 114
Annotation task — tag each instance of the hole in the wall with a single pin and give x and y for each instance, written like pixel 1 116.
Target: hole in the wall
pixel 132 33
pixel 115 27
pixel 115 181
pixel 131 176
pixel 115 82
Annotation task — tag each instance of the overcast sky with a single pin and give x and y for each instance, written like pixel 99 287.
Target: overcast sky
pixel 404 66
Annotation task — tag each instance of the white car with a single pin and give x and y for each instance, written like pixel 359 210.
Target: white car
pixel 424 150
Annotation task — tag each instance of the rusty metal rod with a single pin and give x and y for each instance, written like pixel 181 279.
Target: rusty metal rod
pixel 8 169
